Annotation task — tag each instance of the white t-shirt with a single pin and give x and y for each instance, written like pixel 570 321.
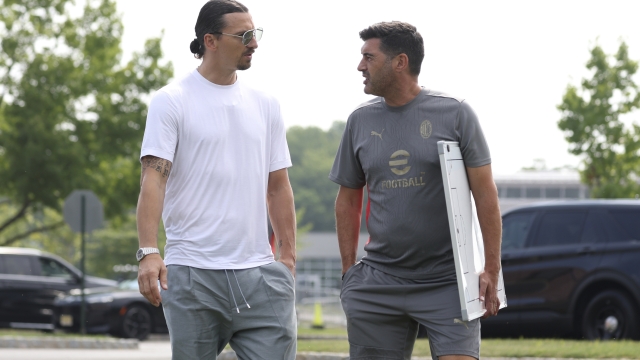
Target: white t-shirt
pixel 223 142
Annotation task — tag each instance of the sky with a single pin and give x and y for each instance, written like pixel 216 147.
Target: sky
pixel 511 60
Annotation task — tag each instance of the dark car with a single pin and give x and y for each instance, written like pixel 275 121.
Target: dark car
pixel 120 311
pixel 571 269
pixel 30 281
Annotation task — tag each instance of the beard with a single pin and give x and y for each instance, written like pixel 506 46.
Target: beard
pixel 244 64
pixel 379 83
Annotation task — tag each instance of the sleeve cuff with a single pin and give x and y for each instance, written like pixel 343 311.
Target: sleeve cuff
pixel 157 153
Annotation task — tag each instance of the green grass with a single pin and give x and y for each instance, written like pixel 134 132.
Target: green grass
pixel 560 348
pixel 306 331
pixel 544 348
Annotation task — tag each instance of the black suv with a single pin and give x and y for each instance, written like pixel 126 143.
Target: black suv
pixel 30 281
pixel 571 269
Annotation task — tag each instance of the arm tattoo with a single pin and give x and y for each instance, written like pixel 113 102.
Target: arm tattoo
pixel 279 243
pixel 160 165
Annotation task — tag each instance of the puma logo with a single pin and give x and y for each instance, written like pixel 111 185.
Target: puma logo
pixel 373 133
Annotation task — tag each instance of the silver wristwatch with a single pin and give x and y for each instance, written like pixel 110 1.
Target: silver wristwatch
pixel 142 252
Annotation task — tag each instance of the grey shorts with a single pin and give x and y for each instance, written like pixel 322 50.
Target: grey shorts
pixel 202 315
pixel 383 313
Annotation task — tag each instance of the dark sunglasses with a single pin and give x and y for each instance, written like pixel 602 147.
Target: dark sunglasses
pixel 248 35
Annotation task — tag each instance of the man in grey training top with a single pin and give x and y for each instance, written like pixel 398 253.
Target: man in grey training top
pixel 214 162
pixel 389 145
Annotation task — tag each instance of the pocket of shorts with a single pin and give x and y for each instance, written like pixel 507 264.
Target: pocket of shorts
pixel 286 269
pixel 346 275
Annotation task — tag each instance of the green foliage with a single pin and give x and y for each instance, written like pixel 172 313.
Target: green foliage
pixel 71 114
pixel 591 121
pixel 312 153
pixel 60 240
pixel 117 245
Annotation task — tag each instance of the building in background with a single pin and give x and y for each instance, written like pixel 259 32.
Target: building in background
pixel 527 187
pixel 319 254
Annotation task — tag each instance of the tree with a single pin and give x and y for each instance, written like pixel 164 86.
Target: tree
pixel 593 123
pixel 312 153
pixel 71 114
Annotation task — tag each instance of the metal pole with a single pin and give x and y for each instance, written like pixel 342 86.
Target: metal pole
pixel 82 281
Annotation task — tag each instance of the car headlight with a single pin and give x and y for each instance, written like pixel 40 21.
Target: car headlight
pixel 67 300
pixel 100 299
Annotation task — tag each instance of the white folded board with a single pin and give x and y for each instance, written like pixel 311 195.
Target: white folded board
pixel 466 237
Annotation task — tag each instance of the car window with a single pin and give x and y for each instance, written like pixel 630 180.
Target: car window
pixel 50 267
pixel 625 225
pixel 612 230
pixel 560 228
pixel 515 228
pixel 17 265
pixel 593 229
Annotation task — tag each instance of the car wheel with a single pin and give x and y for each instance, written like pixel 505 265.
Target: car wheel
pixel 136 323
pixel 609 315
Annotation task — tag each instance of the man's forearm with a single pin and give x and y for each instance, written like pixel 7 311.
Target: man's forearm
pixel 282 214
pixel 148 214
pixel 153 182
pixel 485 195
pixel 491 226
pixel 348 213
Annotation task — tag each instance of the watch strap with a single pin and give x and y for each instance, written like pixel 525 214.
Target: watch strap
pixel 142 252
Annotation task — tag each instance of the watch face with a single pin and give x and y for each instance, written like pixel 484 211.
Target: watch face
pixel 139 254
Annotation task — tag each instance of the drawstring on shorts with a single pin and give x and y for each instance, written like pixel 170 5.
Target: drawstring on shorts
pixel 231 289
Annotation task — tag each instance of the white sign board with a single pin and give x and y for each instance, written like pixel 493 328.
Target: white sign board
pixel 466 237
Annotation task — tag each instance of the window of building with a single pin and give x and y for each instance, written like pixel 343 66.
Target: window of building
pixel 552 193
pixel 572 193
pixel 533 193
pixel 514 192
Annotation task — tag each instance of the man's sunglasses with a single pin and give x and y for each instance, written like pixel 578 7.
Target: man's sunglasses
pixel 248 35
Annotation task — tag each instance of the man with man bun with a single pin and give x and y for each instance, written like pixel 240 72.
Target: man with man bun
pixel 389 145
pixel 214 166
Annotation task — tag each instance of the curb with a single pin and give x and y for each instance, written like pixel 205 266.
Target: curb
pixel 20 342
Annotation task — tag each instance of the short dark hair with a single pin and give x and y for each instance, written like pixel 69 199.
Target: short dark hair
pixel 211 21
pixel 397 38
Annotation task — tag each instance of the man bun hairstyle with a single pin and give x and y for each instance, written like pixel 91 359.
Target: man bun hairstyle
pixel 397 37
pixel 211 21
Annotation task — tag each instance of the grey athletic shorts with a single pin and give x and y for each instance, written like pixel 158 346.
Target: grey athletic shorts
pixel 253 310
pixel 383 313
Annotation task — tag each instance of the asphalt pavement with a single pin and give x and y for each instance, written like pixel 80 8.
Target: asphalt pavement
pixel 158 350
